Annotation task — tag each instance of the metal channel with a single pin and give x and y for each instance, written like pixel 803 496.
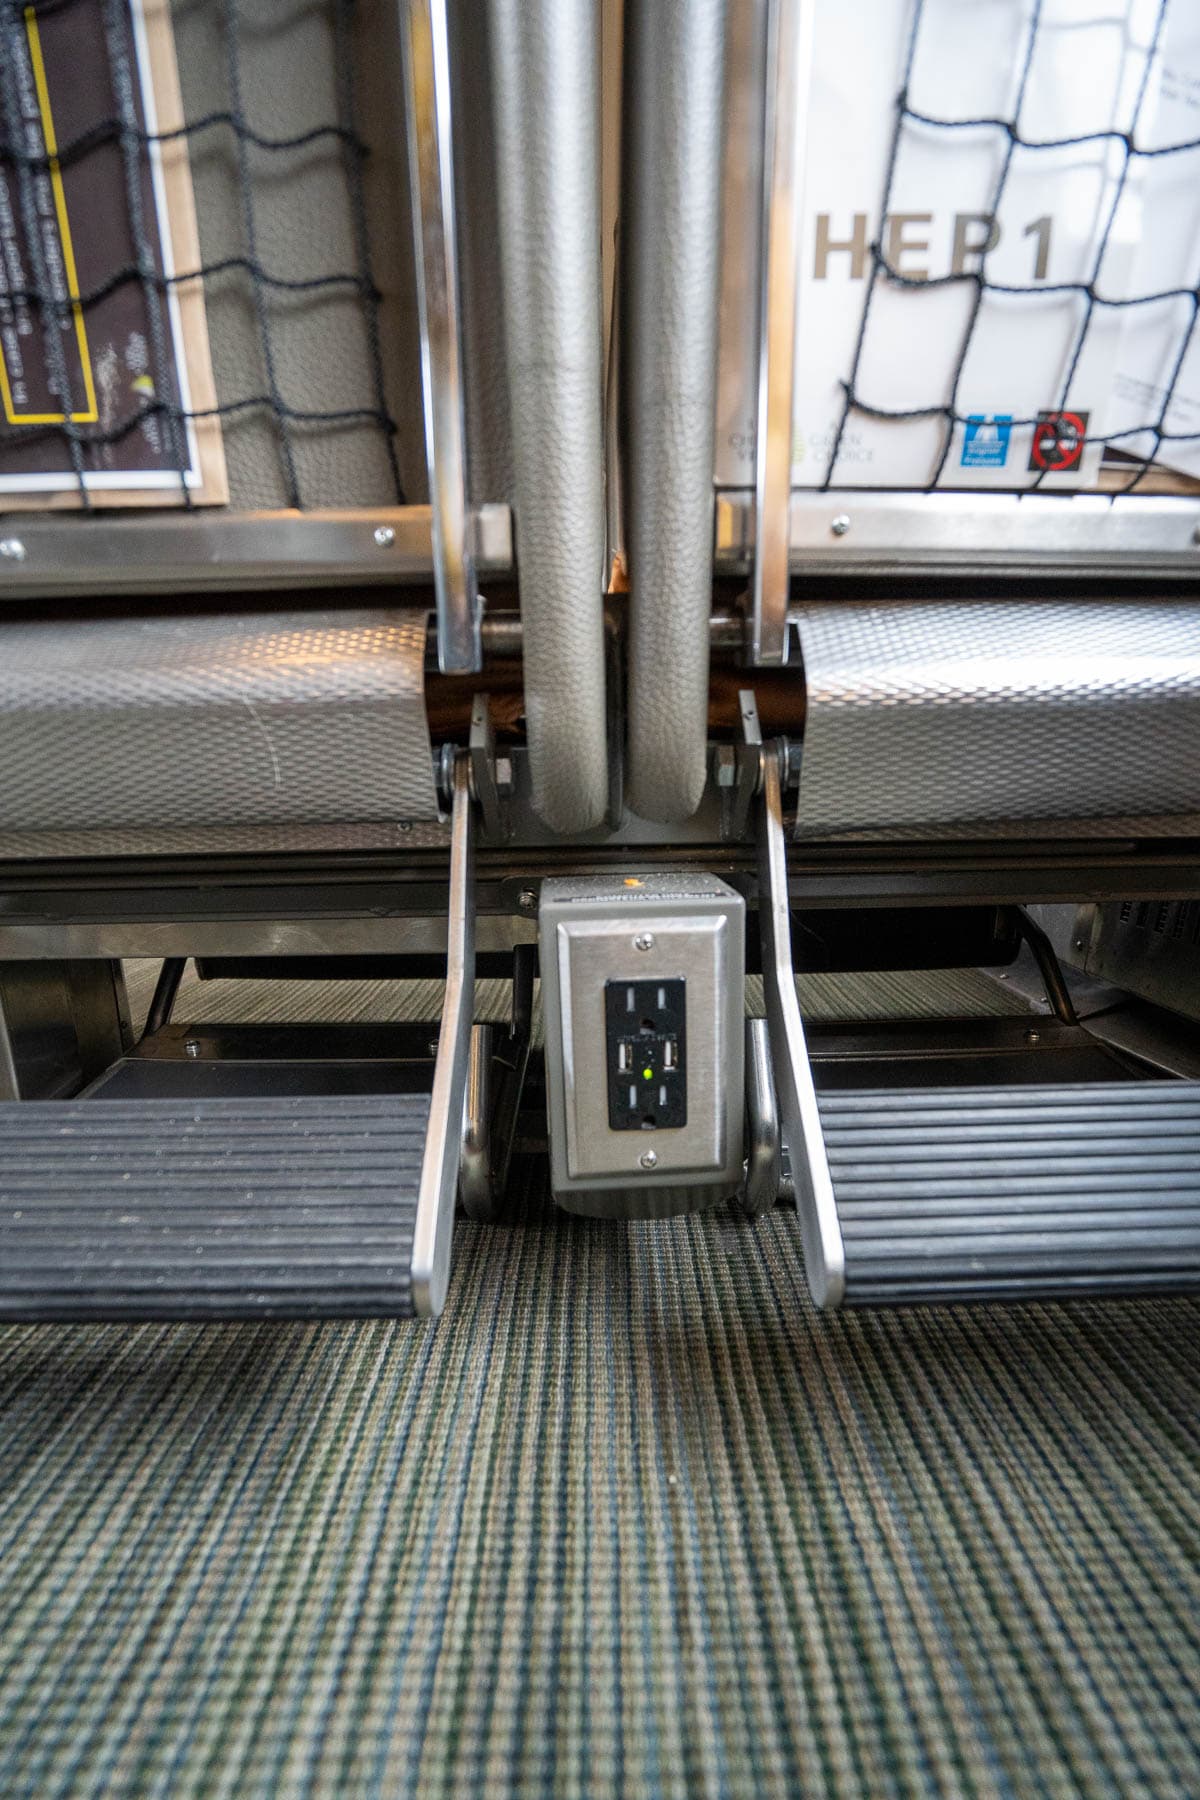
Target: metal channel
pixel 820 1232
pixel 763 1140
pixel 431 172
pixel 782 191
pixel 438 1191
pixel 860 533
pixel 198 552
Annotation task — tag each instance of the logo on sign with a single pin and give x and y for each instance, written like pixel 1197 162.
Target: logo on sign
pixel 985 445
pixel 1058 440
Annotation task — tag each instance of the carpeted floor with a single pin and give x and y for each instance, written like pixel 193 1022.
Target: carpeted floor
pixel 630 1520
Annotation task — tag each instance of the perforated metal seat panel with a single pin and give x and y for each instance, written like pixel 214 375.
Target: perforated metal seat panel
pixel 225 719
pixel 1027 716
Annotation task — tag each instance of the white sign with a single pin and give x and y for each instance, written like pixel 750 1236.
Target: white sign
pixel 1026 381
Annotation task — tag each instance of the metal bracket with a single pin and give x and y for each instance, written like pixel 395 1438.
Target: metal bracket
pixel 739 770
pixel 438 1188
pixel 485 772
pixel 820 1230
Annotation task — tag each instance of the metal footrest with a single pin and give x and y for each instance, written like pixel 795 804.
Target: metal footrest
pixel 981 1193
pixel 293 1207
pixel 973 1193
pixel 301 1204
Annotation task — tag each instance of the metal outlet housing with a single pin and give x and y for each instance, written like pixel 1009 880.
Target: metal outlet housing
pixel 642 926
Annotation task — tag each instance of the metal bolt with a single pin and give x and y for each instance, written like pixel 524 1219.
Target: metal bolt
pixel 12 550
pixel 385 537
pixel 526 899
pixel 643 941
pixel 191 1047
pixel 841 525
pixel 1033 1037
pixel 648 1159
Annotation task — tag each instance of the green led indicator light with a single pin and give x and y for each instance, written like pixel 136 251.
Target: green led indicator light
pixel 647 1074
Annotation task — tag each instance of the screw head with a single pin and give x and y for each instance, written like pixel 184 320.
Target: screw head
pixel 648 1159
pixel 191 1047
pixel 12 550
pixel 1078 944
pixel 643 941
pixel 840 525
pixel 526 899
pixel 385 537
pixel 1033 1037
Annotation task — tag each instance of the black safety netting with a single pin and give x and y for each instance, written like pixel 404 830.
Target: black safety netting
pixel 41 305
pixel 1089 292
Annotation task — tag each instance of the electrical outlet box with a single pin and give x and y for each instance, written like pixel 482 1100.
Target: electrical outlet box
pixel 643 980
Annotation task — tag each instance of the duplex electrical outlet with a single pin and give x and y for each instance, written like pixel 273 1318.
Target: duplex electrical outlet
pixel 643 990
pixel 646 1041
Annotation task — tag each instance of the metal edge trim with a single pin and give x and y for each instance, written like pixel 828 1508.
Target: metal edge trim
pixel 72 556
pixel 891 531
pixel 438 1191
pixel 820 1229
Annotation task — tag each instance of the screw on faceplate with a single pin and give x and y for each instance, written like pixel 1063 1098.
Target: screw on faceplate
pixel 385 537
pixel 1078 944
pixel 648 1159
pixel 12 550
pixel 841 525
pixel 643 941
pixel 191 1047
pixel 1033 1037
pixel 526 899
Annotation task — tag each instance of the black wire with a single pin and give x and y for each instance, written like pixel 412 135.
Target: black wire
pixel 111 131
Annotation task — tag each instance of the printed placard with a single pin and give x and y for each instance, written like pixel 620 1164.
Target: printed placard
pixel 83 84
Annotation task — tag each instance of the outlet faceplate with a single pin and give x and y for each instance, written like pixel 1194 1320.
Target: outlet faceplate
pixel 646 1025
pixel 676 940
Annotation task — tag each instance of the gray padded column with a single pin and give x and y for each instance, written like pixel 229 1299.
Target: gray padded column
pixel 545 58
pixel 674 62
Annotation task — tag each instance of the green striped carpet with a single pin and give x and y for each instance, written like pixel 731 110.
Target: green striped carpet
pixel 631 1520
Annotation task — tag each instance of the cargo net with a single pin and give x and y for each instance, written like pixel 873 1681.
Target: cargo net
pixel 1060 434
pixel 80 190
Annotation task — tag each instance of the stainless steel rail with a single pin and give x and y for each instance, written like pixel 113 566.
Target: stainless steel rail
pixel 431 171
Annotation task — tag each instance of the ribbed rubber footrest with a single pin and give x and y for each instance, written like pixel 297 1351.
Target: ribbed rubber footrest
pixel 209 1209
pixel 978 1193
